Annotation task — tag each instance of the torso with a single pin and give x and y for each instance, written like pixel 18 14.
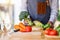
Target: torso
pixel 32 8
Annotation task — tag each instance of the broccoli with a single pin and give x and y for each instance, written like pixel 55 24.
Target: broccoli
pixel 23 15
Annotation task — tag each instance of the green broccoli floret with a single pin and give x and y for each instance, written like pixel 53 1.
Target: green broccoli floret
pixel 23 15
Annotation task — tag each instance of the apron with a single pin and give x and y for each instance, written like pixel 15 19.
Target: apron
pixel 32 9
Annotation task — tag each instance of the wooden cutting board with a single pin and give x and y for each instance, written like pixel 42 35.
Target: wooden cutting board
pixel 26 36
pixel 22 36
pixel 32 36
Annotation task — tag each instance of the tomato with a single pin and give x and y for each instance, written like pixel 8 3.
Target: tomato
pixel 53 33
pixel 47 31
pixel 28 28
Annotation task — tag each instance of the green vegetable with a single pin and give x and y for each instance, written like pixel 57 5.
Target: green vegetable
pixel 29 22
pixel 58 29
pixel 58 18
pixel 59 33
pixel 46 26
pixel 38 23
pixel 23 15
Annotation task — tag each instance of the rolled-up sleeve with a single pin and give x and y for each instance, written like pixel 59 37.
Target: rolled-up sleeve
pixel 54 10
pixel 24 5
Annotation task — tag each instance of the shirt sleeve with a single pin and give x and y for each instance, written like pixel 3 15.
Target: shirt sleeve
pixel 54 10
pixel 24 5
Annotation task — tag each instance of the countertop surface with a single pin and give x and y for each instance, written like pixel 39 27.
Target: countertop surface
pixel 21 36
pixel 27 36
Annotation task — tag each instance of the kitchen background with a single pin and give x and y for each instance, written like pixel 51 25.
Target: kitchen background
pixel 17 8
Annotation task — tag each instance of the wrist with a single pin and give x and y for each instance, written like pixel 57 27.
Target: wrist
pixel 51 24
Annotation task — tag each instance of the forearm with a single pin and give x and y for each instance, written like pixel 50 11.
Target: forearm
pixel 54 11
pixel 24 5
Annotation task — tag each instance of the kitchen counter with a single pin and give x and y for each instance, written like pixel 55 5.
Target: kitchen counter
pixel 22 36
pixel 27 36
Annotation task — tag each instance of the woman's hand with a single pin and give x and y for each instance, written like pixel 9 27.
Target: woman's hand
pixel 51 24
pixel 25 22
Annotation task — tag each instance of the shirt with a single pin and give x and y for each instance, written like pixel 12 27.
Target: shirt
pixel 53 5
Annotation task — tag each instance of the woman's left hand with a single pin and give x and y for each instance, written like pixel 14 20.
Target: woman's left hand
pixel 51 24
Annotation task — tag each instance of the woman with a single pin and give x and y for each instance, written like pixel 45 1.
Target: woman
pixel 44 11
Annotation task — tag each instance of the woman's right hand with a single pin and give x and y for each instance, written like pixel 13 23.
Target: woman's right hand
pixel 25 22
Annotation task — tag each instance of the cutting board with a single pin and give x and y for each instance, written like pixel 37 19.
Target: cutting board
pixel 26 36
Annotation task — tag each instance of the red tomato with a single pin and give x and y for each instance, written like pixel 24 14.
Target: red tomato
pixel 28 28
pixel 53 33
pixel 47 31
